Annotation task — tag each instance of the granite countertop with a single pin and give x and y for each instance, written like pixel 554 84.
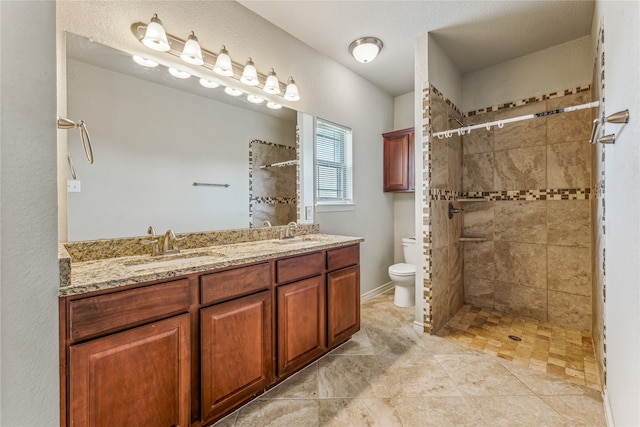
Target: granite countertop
pixel 87 276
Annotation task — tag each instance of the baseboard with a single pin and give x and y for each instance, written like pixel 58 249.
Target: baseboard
pixel 607 409
pixel 375 292
pixel 418 326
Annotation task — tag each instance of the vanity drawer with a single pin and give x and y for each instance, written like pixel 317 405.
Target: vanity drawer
pixel 112 312
pixel 343 257
pixel 299 267
pixel 226 285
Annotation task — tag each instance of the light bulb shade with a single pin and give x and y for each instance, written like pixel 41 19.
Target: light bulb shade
pixel 144 61
pixel 179 74
pixel 250 74
pixel 223 63
pixel 272 85
pixel 208 83
pixel 155 36
pixel 192 52
pixel 291 93
pixel 274 105
pixel 232 91
pixel 255 99
pixel 365 49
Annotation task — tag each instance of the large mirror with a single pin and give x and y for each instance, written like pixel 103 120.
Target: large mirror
pixel 155 135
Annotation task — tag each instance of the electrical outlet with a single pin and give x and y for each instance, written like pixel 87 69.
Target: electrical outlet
pixel 73 186
pixel 308 212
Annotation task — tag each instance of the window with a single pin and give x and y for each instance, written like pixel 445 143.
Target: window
pixel 333 163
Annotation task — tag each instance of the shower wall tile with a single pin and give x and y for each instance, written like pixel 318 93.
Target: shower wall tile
pixel 479 260
pixel 521 263
pixel 521 221
pixel 439 163
pixel 439 224
pixel 568 223
pixel 528 133
pixel 454 224
pixel 569 100
pixel 569 269
pixel 479 292
pixel 440 271
pixel 439 114
pixel 521 168
pixel 521 300
pixel 567 127
pixel 455 163
pixel 478 219
pixel 567 165
pixel 569 310
pixel 479 140
pixel 455 294
pixel 478 172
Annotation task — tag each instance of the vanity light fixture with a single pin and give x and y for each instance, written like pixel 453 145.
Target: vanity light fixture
pixel 365 49
pixel 255 99
pixel 208 83
pixel 272 85
pixel 144 61
pixel 155 37
pixel 291 93
pixel 192 52
pixel 250 74
pixel 274 105
pixel 232 91
pixel 179 74
pixel 223 63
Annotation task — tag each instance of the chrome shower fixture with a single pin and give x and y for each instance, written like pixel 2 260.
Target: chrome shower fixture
pixel 621 117
pixel 456 120
pixel 451 210
pixel 64 123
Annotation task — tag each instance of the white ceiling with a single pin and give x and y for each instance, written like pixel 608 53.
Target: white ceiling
pixel 475 34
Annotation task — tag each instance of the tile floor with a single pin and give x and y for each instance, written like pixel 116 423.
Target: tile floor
pixel 390 375
pixel 563 352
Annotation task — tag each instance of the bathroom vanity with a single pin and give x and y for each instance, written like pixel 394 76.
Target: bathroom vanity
pixel 185 339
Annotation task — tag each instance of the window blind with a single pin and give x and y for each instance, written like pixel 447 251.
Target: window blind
pixel 333 162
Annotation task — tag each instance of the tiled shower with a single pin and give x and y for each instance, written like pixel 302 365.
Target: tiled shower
pixel 522 244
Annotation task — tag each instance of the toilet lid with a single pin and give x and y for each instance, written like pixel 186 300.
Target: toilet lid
pixel 403 269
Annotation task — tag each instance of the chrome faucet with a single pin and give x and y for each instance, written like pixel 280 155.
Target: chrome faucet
pixel 153 240
pixel 289 232
pixel 266 223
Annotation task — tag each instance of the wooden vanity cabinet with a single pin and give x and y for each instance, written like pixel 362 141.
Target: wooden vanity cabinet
pixel 300 311
pixel 398 161
pixel 120 373
pixel 236 338
pixel 343 294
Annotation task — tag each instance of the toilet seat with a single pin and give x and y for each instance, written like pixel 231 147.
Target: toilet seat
pixel 403 269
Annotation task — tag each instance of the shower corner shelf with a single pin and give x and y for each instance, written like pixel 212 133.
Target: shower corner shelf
pixel 471 199
pixel 472 239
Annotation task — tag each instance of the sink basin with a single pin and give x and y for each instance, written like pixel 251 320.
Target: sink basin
pixel 171 260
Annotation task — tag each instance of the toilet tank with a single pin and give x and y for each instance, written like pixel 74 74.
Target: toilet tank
pixel 410 250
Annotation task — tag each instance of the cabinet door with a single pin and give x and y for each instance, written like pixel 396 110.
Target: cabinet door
pixel 235 351
pixel 396 165
pixel 301 323
pixel 139 377
pixel 343 304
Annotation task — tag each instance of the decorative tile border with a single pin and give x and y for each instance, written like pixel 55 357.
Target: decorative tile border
pixel 543 194
pixel 445 99
pixel 274 200
pixel 527 101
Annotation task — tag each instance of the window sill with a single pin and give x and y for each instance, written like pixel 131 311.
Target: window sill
pixel 337 207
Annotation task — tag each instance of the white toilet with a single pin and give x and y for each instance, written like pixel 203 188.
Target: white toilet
pixel 404 275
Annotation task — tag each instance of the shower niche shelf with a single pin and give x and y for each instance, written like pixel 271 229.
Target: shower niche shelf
pixel 472 239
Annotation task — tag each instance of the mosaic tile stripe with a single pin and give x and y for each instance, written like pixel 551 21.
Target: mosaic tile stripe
pixel 542 194
pixel 527 101
pixel 446 100
pixel 274 200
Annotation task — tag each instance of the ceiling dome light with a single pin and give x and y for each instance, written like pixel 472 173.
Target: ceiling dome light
pixel 272 85
pixel 274 105
pixel 179 74
pixel 232 91
pixel 255 99
pixel 291 93
pixel 250 74
pixel 192 53
pixel 223 63
pixel 365 49
pixel 155 37
pixel 144 61
pixel 208 83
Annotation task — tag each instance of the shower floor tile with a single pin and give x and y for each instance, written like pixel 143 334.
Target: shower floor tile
pixel 558 351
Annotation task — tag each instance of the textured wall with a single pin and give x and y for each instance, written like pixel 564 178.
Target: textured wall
pixel 536 261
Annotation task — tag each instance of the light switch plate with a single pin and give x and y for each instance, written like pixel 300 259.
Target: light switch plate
pixel 73 186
